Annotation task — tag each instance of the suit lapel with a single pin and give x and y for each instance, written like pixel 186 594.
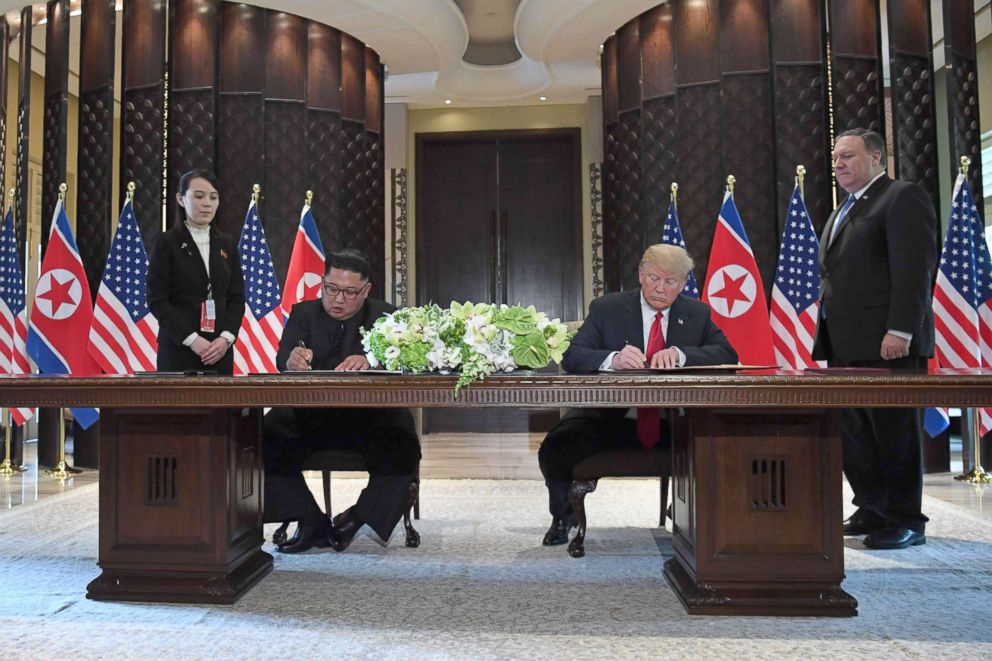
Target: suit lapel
pixel 855 209
pixel 633 324
pixel 188 247
pixel 676 324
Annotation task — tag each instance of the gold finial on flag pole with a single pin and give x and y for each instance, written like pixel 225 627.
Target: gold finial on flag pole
pixel 11 194
pixel 675 195
pixel 965 164
pixel 800 177
pixel 130 191
pixel 309 198
pixel 730 183
pixel 256 192
pixel 62 189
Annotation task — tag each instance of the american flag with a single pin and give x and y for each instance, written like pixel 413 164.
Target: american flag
pixel 124 331
pixel 795 294
pixel 13 316
pixel 962 299
pixel 672 234
pixel 261 327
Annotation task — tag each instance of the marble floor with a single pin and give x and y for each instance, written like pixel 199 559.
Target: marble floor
pixel 481 456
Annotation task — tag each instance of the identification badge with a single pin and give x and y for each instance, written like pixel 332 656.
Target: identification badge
pixel 208 315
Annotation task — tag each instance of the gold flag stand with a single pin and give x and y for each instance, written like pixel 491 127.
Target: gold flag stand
pixel 62 470
pixel 6 468
pixel 977 474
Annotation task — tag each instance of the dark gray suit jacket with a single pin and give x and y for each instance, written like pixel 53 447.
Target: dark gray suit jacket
pixel 877 275
pixel 308 322
pixel 614 320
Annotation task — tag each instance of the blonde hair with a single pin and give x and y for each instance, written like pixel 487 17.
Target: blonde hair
pixel 668 258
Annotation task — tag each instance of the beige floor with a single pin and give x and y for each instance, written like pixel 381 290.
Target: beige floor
pixel 483 456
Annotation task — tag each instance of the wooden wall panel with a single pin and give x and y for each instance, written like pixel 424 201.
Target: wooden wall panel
pixel 962 90
pixel 375 214
pixel 23 129
pixel 857 65
pixel 194 45
pixel 323 67
pixel 913 112
pixel 56 118
pixel 96 137
pixel 629 65
pixel 657 52
pixel 800 86
pixel 629 245
pixel 285 134
pixel 352 78
pixel 142 113
pixel 241 116
pixel 324 152
pixel 697 41
pixel 4 72
pixel 613 274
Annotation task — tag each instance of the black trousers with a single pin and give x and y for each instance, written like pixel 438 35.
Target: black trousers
pixel 883 454
pixel 580 434
pixel 386 438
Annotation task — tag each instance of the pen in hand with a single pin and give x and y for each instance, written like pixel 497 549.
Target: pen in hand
pixel 303 346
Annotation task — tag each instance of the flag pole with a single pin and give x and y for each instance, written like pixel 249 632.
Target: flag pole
pixel 6 468
pixel 800 178
pixel 977 474
pixel 62 470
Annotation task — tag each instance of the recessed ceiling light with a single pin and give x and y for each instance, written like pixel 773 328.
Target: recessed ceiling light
pixel 447 102
pixel 543 98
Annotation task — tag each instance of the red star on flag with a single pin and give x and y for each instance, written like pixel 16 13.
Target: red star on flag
pixel 732 291
pixel 58 294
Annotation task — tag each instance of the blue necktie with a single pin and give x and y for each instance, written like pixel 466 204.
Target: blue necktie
pixel 842 215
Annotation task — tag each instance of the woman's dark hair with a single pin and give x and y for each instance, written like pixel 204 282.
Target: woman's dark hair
pixel 348 260
pixel 184 181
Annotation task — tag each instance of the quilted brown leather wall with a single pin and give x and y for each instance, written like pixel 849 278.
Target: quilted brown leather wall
pixel 630 233
pixel 375 229
pixel 21 201
pixel 964 119
pixel 701 175
pixel 284 190
pixel 192 132
pixel 913 122
pixel 324 164
pixel 93 212
pixel 658 164
pixel 141 156
pixel 53 161
pixel 856 94
pixel 800 138
pixel 749 155
pixel 240 151
pixel 611 202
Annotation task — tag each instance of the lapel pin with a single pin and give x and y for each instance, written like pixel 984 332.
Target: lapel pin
pixel 183 246
pixel 681 323
pixel 223 254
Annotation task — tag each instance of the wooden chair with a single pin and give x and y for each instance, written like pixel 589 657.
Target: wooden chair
pixel 349 460
pixel 621 462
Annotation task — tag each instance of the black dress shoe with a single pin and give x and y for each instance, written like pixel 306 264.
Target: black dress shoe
pixel 346 524
pixel 306 537
pixel 863 522
pixel 558 532
pixel 279 537
pixel 895 538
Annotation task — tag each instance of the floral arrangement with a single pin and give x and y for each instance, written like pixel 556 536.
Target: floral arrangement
pixel 475 339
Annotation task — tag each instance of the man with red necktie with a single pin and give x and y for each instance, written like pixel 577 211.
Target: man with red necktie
pixel 652 326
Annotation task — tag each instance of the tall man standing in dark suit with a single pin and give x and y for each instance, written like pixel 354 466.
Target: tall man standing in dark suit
pixel 653 326
pixel 324 335
pixel 878 253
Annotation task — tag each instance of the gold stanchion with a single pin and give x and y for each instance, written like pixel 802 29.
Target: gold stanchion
pixel 62 470
pixel 977 474
pixel 6 468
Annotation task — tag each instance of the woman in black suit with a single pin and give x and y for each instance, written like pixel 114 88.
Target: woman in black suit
pixel 195 284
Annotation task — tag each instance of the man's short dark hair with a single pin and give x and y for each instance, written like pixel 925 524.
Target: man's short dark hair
pixel 348 260
pixel 873 141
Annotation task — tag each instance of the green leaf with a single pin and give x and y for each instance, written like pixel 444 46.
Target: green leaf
pixel 517 320
pixel 530 350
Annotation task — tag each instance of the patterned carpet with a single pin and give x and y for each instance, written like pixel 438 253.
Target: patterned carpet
pixel 482 586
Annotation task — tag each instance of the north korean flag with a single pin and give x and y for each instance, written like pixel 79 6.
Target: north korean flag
pixel 734 291
pixel 63 312
pixel 306 265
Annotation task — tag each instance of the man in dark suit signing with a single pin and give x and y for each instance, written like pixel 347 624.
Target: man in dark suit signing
pixel 653 326
pixel 324 335
pixel 878 253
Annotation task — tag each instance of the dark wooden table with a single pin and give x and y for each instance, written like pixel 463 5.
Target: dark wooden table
pixel 757 500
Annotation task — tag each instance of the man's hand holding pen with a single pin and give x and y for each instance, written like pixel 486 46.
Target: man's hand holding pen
pixel 629 358
pixel 300 358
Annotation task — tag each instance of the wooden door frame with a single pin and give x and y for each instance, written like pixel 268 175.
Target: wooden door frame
pixel 575 136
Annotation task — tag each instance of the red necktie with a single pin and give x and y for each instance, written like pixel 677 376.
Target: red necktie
pixel 648 420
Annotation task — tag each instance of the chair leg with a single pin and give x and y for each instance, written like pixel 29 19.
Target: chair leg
pixel 327 492
pixel 577 495
pixel 412 536
pixel 416 502
pixel 664 501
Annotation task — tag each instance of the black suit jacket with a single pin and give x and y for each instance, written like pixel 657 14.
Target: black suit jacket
pixel 177 286
pixel 615 320
pixel 309 322
pixel 877 274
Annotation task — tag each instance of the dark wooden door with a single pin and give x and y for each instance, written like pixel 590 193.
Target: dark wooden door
pixel 499 220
